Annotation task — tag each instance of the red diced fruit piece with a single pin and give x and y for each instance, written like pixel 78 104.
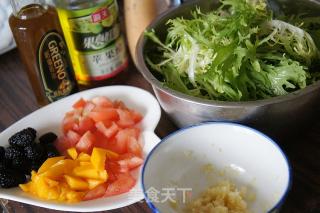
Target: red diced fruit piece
pixel 102 101
pixel 96 192
pixel 108 132
pixel 100 140
pixel 86 143
pixel 136 116
pixel 68 123
pixel 73 137
pixel 102 114
pixel 134 147
pixel 130 161
pixel 121 141
pixel 85 124
pixel 119 104
pixel 125 118
pixel 62 144
pixel 112 145
pixel 79 104
pixel 88 108
pixel 123 184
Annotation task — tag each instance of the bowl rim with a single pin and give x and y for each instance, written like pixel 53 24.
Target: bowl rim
pixel 143 69
pixel 231 124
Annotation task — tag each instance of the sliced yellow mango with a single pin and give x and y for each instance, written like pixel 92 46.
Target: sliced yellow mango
pixel 76 183
pixel 94 183
pixel 48 163
pixel 51 183
pixel 60 168
pixel 72 152
pixel 85 163
pixel 88 171
pixel 26 187
pixel 83 157
pixel 98 158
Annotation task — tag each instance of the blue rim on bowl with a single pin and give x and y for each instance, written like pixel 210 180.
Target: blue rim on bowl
pixel 165 139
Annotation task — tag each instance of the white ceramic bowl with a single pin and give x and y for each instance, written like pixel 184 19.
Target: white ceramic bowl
pixel 49 118
pixel 192 159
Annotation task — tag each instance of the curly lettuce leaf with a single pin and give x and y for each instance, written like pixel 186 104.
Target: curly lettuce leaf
pixel 235 53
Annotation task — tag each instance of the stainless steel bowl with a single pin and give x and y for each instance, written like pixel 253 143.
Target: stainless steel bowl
pixel 271 115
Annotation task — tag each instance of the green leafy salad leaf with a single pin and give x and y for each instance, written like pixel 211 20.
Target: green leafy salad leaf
pixel 238 52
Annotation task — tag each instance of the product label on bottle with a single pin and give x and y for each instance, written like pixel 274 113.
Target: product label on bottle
pixel 55 67
pixel 107 62
pixel 97 39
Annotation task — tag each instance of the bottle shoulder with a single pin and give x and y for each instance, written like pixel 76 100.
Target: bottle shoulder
pixel 79 4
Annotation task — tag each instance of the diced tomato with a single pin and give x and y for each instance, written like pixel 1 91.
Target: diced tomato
pixel 112 166
pixel 125 118
pixel 114 146
pixel 102 101
pixel 123 184
pixel 136 116
pixel 119 105
pixel 73 137
pixel 68 123
pixel 121 141
pixel 130 161
pixel 102 114
pixel 62 144
pixel 101 141
pixel 125 156
pixel 88 108
pixel 108 132
pixel 85 124
pixel 79 104
pixel 86 143
pixel 96 192
pixel 111 177
pixel 134 132
pixel 133 146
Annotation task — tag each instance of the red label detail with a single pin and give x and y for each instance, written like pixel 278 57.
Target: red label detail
pixel 100 15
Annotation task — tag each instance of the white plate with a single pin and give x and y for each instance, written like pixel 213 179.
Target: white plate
pixel 49 118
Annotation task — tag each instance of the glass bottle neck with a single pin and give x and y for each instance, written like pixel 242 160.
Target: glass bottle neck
pixel 17 5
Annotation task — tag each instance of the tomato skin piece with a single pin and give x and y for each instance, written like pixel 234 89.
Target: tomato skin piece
pixel 102 101
pixel 96 192
pixel 125 119
pixel 119 105
pixel 116 168
pixel 68 123
pixel 108 132
pixel 103 114
pixel 86 143
pixel 123 184
pixel 62 144
pixel 133 146
pixel 73 137
pixel 79 104
pixel 100 140
pixel 88 108
pixel 136 116
pixel 121 141
pixel 129 161
pixel 85 124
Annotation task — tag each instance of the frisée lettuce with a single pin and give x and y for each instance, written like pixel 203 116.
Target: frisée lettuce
pixel 238 52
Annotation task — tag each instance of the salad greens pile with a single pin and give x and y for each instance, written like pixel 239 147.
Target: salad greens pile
pixel 238 52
